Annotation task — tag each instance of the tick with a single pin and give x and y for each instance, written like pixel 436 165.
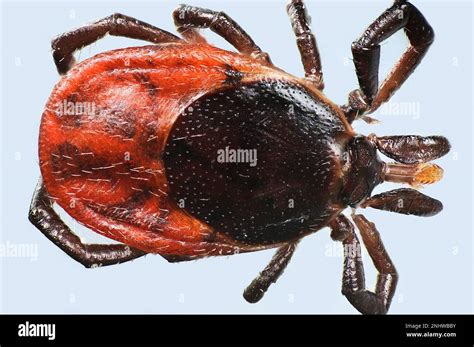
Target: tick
pixel 186 150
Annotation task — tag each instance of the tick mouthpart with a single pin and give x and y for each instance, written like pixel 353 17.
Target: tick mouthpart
pixel 416 175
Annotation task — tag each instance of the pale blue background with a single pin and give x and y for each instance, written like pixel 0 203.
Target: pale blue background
pixel 432 255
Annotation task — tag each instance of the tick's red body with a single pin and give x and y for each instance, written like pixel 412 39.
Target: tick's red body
pixel 95 164
pixel 129 140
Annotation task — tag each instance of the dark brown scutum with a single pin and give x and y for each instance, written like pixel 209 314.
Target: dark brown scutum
pixel 294 136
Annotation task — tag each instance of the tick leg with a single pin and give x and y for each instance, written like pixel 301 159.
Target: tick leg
pixel 191 35
pixel 366 54
pixel 190 17
pixel 412 149
pixel 116 24
pixel 405 201
pixel 353 281
pixel 255 291
pixel 49 223
pixel 300 21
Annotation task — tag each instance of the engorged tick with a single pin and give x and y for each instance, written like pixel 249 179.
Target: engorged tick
pixel 139 162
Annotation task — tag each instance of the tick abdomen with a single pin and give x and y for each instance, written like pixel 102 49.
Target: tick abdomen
pixel 105 129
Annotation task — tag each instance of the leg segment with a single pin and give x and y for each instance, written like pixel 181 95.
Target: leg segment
pixel 191 35
pixel 255 291
pixel 189 17
pixel 412 149
pixel 405 201
pixel 387 278
pixel 306 42
pixel 353 282
pixel 366 53
pixel 117 24
pixel 48 222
